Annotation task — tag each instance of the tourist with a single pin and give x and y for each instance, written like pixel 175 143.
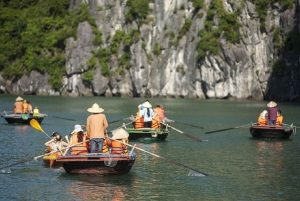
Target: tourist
pixel 29 107
pixel 106 144
pixel 25 107
pixel 56 144
pixel 120 136
pixel 159 110
pixel 96 126
pixel 263 118
pixel 139 120
pixel 279 120
pixel 36 112
pixel 77 142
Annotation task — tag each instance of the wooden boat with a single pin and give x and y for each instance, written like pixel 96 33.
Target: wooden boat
pixel 147 133
pixel 97 164
pixel 271 132
pixel 22 118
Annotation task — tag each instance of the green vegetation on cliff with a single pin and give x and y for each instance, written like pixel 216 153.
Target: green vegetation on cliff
pixel 33 35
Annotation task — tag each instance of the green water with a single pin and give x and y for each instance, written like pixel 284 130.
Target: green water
pixel 240 168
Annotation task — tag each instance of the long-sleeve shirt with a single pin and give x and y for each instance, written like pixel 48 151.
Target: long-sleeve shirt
pixel 96 125
pixel 272 113
pixel 147 117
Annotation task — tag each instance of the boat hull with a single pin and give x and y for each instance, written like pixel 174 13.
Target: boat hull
pixel 271 132
pixel 148 133
pixel 51 162
pixel 97 164
pixel 21 118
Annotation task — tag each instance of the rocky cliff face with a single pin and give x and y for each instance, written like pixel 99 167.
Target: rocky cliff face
pixel 239 71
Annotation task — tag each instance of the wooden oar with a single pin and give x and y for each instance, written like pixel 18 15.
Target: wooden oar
pixel 35 124
pixel 62 118
pixel 36 157
pixel 291 125
pixel 179 131
pixel 119 120
pixel 184 123
pixel 163 158
pixel 226 129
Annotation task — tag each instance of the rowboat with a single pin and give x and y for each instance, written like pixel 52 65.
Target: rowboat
pixel 12 118
pixel 147 133
pixel 97 164
pixel 271 132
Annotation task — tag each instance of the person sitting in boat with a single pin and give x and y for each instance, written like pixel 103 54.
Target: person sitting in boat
pixel 279 120
pixel 36 112
pixel 29 108
pixel 56 144
pixel 148 114
pixel 159 110
pixel 120 136
pixel 18 105
pixel 263 118
pixel 25 107
pixel 139 120
pixel 106 144
pixel 77 142
pixel 155 122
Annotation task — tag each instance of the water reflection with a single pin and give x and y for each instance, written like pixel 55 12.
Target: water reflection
pixel 21 128
pixel 100 187
pixel 270 157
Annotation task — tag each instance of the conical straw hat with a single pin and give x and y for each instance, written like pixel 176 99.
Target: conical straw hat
pixel 271 104
pixel 147 104
pixel 19 99
pixel 95 109
pixel 119 134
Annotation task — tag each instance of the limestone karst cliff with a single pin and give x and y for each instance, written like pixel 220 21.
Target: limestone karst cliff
pixel 166 55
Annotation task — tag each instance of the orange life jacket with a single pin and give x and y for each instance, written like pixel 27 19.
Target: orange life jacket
pixel 155 122
pixel 105 147
pixel 25 107
pixel 279 120
pixel 118 147
pixel 139 122
pixel 160 113
pixel 80 148
pixel 262 121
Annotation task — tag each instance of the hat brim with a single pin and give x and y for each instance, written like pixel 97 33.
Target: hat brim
pixel 93 110
pixel 119 134
pixel 147 105
pixel 76 130
pixel 272 104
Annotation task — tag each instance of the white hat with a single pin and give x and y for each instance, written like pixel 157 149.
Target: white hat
pixel 19 98
pixel 119 134
pixel 95 109
pixel 271 104
pixel 77 128
pixel 147 104
pixel 263 114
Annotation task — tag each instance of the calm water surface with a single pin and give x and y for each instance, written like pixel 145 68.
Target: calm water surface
pixel 240 167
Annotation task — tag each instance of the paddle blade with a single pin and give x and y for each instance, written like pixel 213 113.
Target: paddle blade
pixel 35 124
pixel 192 137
